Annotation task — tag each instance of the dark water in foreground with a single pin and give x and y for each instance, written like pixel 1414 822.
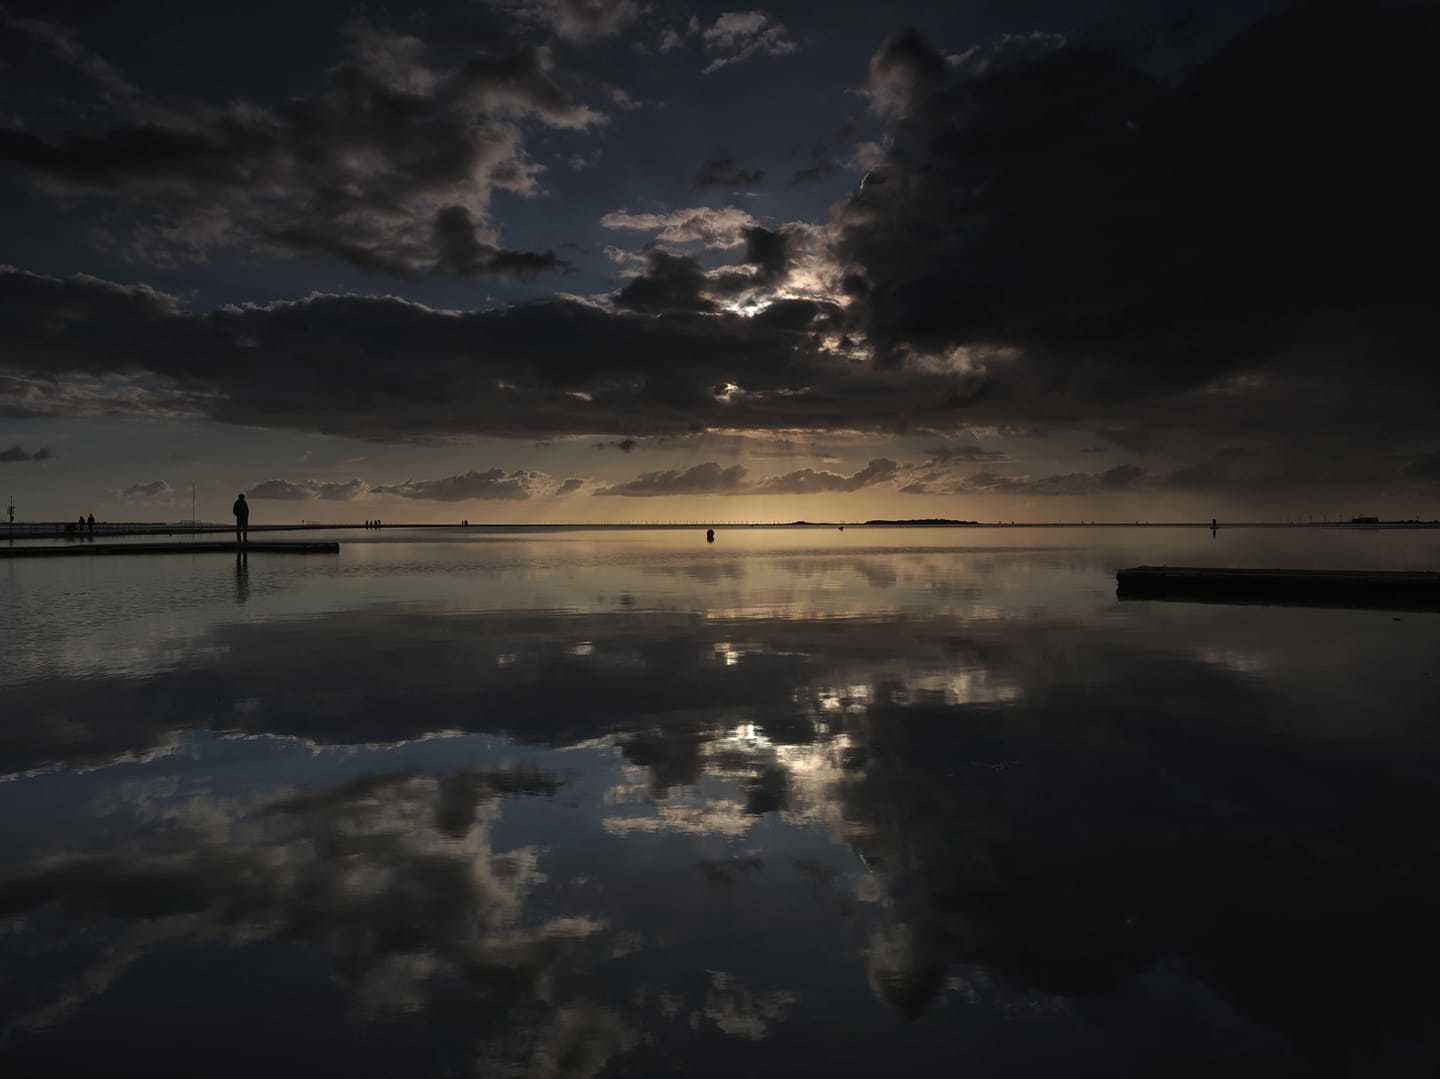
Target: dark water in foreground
pixel 916 802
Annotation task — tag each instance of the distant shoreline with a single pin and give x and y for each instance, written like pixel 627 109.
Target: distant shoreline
pixel 53 530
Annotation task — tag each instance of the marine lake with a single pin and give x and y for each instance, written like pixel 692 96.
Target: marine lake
pixel 905 801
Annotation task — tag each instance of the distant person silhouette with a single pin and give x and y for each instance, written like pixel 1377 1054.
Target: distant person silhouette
pixel 241 510
pixel 90 523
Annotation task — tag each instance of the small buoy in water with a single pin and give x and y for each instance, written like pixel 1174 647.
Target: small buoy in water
pixel 709 535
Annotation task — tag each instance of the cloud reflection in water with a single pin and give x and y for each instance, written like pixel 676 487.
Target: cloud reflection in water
pixel 1114 839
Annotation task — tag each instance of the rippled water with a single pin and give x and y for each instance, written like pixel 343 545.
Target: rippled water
pixel 800 802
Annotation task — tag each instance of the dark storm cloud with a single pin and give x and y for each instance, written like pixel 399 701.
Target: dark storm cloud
pixel 1049 236
pixel 759 274
pixel 669 283
pixel 18 453
pixel 382 368
pixel 768 251
pixel 153 489
pixel 1101 243
pixel 569 487
pixel 390 166
pixel 460 254
pixel 298 490
pixel 724 172
pixel 904 73
pixel 493 484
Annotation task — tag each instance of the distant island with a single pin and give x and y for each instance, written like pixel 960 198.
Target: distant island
pixel 921 522
pixel 918 522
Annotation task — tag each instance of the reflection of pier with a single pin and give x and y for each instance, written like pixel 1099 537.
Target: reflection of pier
pixel 176 547
pixel 1383 589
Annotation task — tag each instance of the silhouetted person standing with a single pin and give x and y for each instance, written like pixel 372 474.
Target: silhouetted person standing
pixel 90 523
pixel 241 510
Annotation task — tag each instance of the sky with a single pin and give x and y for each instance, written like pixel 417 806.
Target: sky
pixel 618 260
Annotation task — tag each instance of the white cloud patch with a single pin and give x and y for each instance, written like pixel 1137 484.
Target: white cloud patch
pixel 737 36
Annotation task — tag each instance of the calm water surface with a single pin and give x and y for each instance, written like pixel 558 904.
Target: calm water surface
pixel 801 802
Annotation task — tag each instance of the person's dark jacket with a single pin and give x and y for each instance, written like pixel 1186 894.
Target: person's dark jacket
pixel 241 510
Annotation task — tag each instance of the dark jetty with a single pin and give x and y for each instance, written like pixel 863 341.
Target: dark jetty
pixel 1383 589
pixel 175 547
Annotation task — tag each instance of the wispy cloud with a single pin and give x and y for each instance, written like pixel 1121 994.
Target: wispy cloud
pixel 712 478
pixel 298 490
pixel 717 227
pixel 737 36
pixel 155 489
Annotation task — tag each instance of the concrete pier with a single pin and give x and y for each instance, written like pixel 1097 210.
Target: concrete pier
pixel 1382 589
pixel 81 547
